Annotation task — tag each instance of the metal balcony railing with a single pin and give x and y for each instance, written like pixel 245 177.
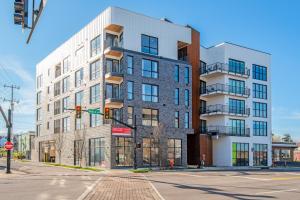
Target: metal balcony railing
pixel 113 43
pixel 222 88
pixel 228 131
pixel 224 109
pixel 225 68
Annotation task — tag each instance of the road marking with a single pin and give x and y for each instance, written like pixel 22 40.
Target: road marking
pixel 154 188
pixel 297 174
pixel 253 178
pixel 193 175
pixel 285 178
pixel 53 181
pixel 276 191
pixel 89 189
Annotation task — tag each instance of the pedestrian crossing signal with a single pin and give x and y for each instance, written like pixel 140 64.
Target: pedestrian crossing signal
pixel 106 113
pixel 78 112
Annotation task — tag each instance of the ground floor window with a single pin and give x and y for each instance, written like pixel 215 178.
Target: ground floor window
pixel 97 151
pixel 174 151
pixel 124 151
pixel 240 154
pixel 260 154
pixel 47 151
pixel 282 155
pixel 78 151
pixel 150 152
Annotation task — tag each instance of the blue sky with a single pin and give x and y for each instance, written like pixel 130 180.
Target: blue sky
pixel 271 26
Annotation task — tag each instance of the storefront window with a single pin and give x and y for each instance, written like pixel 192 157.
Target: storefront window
pixel 150 152
pixel 47 151
pixel 240 154
pixel 124 151
pixel 174 151
pixel 260 155
pixel 97 151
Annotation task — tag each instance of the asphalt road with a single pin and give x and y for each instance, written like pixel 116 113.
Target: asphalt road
pixel 40 182
pixel 241 185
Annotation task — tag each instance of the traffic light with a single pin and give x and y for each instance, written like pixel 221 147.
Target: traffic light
pixel 21 13
pixel 106 113
pixel 78 112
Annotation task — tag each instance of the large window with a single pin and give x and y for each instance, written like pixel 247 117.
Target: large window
pixel 112 91
pixel 240 154
pixel 129 65
pixel 236 66
pixel 260 109
pixel 260 154
pixel 95 94
pixel 259 72
pixel 66 84
pixel 66 64
pixel 237 127
pixel 186 75
pixel 124 151
pixel 176 96
pixel 260 128
pixel 78 77
pixel 149 68
pixel 112 65
pixel 66 124
pixel 150 117
pixel 57 88
pixel 66 102
pixel 97 151
pixel 130 90
pixel 57 107
pixel 94 120
pixel 236 86
pixel 130 115
pixel 174 151
pixel 150 93
pixel 79 98
pixel 176 122
pixel 176 73
pixel 186 120
pixel 259 91
pixel 95 46
pixel 150 152
pixel 237 106
pixel 95 70
pixel 186 97
pixel 149 44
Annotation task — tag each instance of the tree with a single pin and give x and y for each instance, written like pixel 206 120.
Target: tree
pixel 159 139
pixel 287 138
pixel 80 137
pixel 59 139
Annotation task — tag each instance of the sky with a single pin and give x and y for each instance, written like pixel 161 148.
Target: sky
pixel 270 26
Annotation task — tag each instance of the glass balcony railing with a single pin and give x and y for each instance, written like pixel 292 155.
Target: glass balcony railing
pixel 228 89
pixel 224 109
pixel 224 68
pixel 228 131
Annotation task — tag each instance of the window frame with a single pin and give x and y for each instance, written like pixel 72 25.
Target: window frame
pixel 149 47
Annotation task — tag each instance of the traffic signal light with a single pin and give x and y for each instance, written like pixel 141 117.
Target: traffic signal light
pixel 106 113
pixel 21 13
pixel 78 112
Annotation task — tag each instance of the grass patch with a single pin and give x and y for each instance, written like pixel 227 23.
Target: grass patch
pixel 24 160
pixel 143 170
pixel 75 167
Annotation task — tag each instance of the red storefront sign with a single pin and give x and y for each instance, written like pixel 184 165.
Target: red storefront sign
pixel 121 131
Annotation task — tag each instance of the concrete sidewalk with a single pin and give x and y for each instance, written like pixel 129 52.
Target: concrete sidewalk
pixel 123 185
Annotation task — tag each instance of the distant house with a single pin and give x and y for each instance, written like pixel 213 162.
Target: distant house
pixel 23 143
pixel 283 148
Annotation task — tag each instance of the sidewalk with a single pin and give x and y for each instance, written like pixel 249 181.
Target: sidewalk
pixel 123 185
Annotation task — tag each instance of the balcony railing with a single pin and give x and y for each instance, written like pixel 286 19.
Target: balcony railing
pixel 224 109
pixel 228 89
pixel 113 43
pixel 223 68
pixel 228 131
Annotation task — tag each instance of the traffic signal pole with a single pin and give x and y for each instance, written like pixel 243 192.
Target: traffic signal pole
pixel 8 140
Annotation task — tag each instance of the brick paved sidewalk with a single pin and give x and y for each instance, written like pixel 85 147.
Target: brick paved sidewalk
pixel 123 185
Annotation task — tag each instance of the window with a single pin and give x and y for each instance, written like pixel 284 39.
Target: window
pixel 78 98
pixel 117 114
pixel 186 75
pixel 260 154
pixel 39 81
pixel 78 77
pixel 96 151
pixel 130 90
pixel 95 94
pixel 202 87
pixel 150 152
pixel 130 115
pixel 57 70
pixel 149 44
pixel 49 70
pixel 66 64
pixel 202 67
pixel 48 107
pixel 78 123
pixel 149 68
pixel 150 92
pixel 260 128
pixel 176 73
pixel 78 151
pixel 237 127
pixel 112 91
pixel 57 126
pixel 150 117
pixel 259 109
pixel 237 106
pixel 48 125
pixel 38 114
pixel 174 151
pixel 236 66
pixel 48 90
pixel 65 104
pixel 176 124
pixel 57 88
pixel 94 120
pixel 112 65
pixel 129 65
pixel 38 98
pixel 237 86
pixel 240 154
pixel 176 96
pixel 186 97
pixel 259 91
pixel 202 106
pixel 95 46
pixel 259 72
pixel 66 84
pixel 186 120
pixel 66 124
pixel 38 129
pixel 95 70
pixel 124 151
pixel 203 126
pixel 57 107
pixel 79 56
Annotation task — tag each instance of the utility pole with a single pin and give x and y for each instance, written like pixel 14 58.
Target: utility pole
pixel 8 125
pixel 135 144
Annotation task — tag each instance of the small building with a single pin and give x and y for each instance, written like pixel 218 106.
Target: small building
pixel 283 151
pixel 23 143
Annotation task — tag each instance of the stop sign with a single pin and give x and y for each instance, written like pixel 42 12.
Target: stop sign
pixel 8 145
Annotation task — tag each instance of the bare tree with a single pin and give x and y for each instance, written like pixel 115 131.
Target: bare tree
pixel 287 138
pixel 159 139
pixel 80 135
pixel 59 144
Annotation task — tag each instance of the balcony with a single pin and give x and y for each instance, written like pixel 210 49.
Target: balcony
pixel 113 73
pixel 113 46
pixel 228 131
pixel 114 102
pixel 219 109
pixel 222 89
pixel 218 69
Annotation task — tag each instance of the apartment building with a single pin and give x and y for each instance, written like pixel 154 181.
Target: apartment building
pixel 131 64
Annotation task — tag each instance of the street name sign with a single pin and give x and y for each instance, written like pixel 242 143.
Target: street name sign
pixel 94 111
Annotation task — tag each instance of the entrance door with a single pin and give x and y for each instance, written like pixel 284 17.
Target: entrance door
pixel 124 151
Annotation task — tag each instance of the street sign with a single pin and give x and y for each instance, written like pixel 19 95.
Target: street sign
pixel 8 145
pixel 94 111
pixel 121 131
